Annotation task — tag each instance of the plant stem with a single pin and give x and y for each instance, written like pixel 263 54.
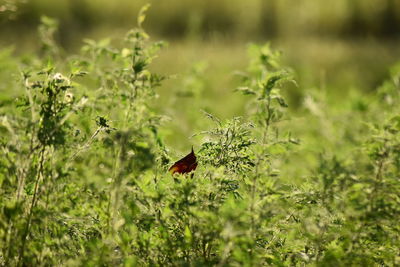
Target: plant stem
pixel 32 206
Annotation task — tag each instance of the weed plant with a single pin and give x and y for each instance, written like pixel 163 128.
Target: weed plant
pixel 84 181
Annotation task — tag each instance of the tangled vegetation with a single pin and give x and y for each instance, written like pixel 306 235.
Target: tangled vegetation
pixel 84 180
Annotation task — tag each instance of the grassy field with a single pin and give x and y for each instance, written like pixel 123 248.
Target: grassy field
pixel 297 140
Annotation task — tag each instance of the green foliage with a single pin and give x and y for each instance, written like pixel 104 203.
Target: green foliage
pixel 228 146
pixel 84 181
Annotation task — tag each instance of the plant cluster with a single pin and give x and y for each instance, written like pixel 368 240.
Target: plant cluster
pixel 84 181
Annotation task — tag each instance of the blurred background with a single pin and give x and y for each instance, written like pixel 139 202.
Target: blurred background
pixel 338 46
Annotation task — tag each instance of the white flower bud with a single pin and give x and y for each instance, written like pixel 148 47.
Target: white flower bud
pixel 59 78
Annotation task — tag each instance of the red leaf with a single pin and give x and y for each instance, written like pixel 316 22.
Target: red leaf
pixel 185 165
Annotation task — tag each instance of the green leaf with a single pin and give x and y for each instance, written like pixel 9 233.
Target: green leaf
pixel 395 122
pixel 246 90
pixel 142 14
pixel 188 235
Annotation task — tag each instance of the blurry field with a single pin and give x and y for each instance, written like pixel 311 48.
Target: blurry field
pixel 334 66
pixel 312 183
pixel 337 46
